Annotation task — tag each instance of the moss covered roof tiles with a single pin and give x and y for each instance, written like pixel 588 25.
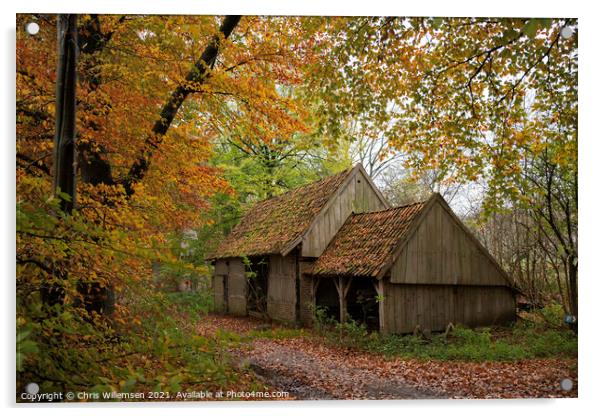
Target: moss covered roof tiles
pixel 366 242
pixel 270 226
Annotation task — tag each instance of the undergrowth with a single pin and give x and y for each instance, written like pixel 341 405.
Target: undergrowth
pixel 539 334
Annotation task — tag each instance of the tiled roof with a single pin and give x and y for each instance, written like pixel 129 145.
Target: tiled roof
pixel 366 242
pixel 272 225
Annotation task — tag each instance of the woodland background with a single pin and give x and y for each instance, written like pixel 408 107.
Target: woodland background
pixel 184 122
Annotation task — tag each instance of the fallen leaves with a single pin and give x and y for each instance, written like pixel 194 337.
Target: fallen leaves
pixel 314 370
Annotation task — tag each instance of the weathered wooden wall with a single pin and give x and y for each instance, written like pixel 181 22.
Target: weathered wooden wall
pixel 220 276
pixel 356 195
pixel 434 306
pixel 218 293
pixel 230 286
pixel 307 295
pixel 441 252
pixel 282 295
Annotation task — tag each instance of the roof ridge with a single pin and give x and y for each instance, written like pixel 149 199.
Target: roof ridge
pixel 273 224
pixel 392 208
pixel 346 171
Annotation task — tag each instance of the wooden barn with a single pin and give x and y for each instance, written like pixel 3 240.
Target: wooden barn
pixel 335 244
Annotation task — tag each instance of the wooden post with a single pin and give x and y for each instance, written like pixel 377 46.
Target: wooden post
pixel 314 288
pixel 379 286
pixel 342 289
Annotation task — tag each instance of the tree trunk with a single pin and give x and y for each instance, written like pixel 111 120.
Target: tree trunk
pixel 64 139
pixel 572 289
pixel 66 82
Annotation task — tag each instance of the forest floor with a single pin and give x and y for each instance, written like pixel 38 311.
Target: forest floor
pixel 299 362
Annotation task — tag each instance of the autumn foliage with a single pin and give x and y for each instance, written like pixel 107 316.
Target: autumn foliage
pixel 492 101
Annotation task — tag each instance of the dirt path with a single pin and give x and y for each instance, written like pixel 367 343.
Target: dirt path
pixel 308 376
pixel 311 370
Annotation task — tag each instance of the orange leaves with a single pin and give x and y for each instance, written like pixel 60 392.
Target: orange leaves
pixel 325 372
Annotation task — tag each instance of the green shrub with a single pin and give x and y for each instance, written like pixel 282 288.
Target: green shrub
pixel 194 303
pixel 553 315
pixel 321 319
pixel 525 339
pixel 350 333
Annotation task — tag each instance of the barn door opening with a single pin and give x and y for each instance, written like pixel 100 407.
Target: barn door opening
pixel 327 298
pixel 225 302
pixel 257 284
pixel 362 304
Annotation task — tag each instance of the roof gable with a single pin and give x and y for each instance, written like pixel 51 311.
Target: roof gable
pixel 366 242
pixel 370 244
pixel 450 252
pixel 271 226
pixel 357 193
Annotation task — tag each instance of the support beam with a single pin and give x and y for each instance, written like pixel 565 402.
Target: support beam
pixel 342 286
pixel 315 282
pixel 379 286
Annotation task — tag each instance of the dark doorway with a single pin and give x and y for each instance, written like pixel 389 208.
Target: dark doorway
pixel 257 271
pixel 362 303
pixel 327 298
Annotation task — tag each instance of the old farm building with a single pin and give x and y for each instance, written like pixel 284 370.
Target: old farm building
pixel 336 244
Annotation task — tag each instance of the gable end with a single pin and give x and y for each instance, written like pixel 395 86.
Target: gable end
pixel 440 249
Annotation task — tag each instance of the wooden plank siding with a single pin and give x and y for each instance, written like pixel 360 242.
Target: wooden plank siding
pixel 434 306
pixel 306 293
pixel 356 195
pixel 219 284
pixel 218 292
pixel 282 296
pixel 237 287
pixel 441 252
pixel 220 276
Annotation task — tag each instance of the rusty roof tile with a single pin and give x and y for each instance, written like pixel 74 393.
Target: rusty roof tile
pixel 272 225
pixel 366 242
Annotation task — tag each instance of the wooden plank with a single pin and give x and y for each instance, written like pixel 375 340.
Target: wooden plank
pixel 351 193
pixel 441 252
pixel 359 194
pixel 221 267
pixel 440 259
pixel 237 287
pixel 397 307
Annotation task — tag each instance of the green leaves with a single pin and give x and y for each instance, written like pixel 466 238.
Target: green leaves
pixel 25 346
pixel 530 28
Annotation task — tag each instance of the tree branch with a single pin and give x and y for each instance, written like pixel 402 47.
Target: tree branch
pixel 197 75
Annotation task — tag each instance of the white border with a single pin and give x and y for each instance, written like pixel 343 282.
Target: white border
pixel 589 177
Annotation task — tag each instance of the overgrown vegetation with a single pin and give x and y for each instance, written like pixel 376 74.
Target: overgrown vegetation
pixel 539 334
pixel 536 335
pixel 157 349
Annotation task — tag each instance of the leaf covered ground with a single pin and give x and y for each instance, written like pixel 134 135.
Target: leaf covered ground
pixel 301 362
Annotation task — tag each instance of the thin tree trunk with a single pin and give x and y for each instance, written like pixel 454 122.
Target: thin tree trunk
pixel 572 289
pixel 66 83
pixel 64 139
